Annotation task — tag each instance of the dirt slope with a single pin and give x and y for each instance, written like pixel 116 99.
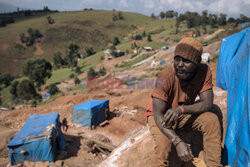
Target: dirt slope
pixel 134 147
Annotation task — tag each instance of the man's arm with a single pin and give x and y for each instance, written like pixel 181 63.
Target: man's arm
pixel 204 104
pixel 183 150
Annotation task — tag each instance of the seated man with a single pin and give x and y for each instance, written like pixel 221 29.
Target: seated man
pixel 174 106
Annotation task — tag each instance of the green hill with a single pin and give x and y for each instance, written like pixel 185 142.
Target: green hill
pixel 86 28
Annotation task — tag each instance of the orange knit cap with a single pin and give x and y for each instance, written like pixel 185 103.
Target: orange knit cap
pixel 189 48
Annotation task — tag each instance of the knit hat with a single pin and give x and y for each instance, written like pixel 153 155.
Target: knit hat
pixel 189 48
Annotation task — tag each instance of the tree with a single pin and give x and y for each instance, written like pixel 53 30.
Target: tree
pixel 177 25
pixel 153 16
pixel 169 14
pixel 162 15
pixel 91 73
pixel 53 89
pixel 50 20
pixel 6 79
pixel 222 20
pixel 46 9
pixel 149 38
pixel 58 60
pixel 13 89
pixel 37 70
pixel 204 18
pixel 143 34
pixel 138 37
pixel 77 81
pixel 116 41
pixel 78 70
pixel 89 51
pixel 26 90
pixel 72 54
pixel 231 20
pixel 102 71
pixel 212 20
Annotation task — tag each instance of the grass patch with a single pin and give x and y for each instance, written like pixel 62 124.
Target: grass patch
pixel 59 75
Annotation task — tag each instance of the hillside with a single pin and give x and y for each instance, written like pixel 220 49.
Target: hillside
pixel 86 28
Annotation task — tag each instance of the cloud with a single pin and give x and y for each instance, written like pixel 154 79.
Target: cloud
pixel 123 4
pixel 230 7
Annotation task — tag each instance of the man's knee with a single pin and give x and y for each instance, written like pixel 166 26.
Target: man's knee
pixel 210 121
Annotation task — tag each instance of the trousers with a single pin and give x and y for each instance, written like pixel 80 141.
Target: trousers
pixel 207 123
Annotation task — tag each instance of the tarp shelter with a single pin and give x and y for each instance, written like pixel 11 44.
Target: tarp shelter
pixel 39 139
pixel 90 113
pixel 46 96
pixel 233 73
pixel 162 62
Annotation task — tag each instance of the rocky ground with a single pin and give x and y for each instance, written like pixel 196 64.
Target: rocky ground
pixel 126 130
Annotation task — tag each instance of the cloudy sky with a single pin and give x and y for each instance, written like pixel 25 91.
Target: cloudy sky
pixel 230 7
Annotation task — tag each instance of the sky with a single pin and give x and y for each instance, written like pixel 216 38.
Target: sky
pixel 233 8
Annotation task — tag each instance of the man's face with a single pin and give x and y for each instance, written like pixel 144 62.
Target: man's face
pixel 184 69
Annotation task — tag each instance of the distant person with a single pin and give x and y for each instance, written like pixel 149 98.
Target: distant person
pixel 174 107
pixel 65 124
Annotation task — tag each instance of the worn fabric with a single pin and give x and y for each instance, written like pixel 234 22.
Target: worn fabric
pixel 169 89
pixel 189 48
pixel 207 123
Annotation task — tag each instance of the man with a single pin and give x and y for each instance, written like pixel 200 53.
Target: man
pixel 175 108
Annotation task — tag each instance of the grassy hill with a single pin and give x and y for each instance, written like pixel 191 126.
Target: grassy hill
pixel 86 28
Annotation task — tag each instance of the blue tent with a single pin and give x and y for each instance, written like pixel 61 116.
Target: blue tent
pixel 233 75
pixel 90 113
pixel 38 140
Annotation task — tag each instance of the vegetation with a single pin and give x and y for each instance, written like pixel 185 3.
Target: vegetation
pixel 6 79
pixel 53 89
pixel 37 70
pixel 33 35
pixel 58 60
pixel 26 90
pixel 72 54
pixel 50 20
pixel 91 73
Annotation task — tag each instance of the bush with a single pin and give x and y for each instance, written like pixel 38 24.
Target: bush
pixel 6 79
pixel 92 73
pixel 89 51
pixel 13 89
pixel 149 38
pixel 116 41
pixel 138 37
pixel 72 76
pixel 50 20
pixel 26 90
pixel 78 70
pixel 58 60
pixel 53 89
pixel 77 81
pixel 38 70
pixel 102 71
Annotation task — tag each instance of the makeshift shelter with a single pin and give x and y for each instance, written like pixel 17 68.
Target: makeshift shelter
pixel 90 113
pixel 233 73
pixel 39 139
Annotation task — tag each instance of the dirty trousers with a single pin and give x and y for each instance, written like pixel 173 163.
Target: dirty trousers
pixel 207 123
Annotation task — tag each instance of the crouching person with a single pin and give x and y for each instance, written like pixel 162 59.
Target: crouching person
pixel 174 107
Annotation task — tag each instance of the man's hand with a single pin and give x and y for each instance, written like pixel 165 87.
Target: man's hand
pixel 171 115
pixel 184 152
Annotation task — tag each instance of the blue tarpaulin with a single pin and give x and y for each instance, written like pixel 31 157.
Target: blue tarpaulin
pixel 90 113
pixel 233 75
pixel 38 140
